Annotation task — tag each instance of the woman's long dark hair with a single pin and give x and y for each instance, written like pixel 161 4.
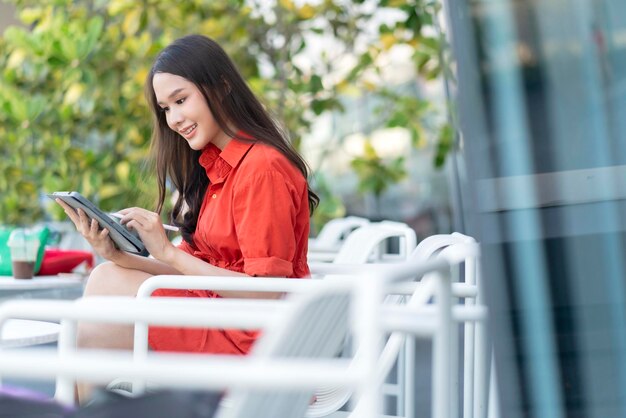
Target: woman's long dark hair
pixel 203 62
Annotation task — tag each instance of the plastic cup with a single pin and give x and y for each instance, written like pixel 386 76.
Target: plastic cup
pixel 23 244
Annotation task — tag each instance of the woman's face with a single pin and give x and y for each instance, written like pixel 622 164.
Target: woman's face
pixel 187 112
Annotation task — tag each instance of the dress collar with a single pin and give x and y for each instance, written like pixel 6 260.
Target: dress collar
pixel 218 163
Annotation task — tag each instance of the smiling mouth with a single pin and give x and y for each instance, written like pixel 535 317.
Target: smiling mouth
pixel 188 130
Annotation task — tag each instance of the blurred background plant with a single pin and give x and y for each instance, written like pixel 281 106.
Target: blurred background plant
pixel 71 86
pixel 375 175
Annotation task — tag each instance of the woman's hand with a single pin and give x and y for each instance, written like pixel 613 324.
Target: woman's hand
pixel 98 239
pixel 148 225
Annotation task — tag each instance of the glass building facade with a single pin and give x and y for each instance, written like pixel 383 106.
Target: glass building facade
pixel 541 99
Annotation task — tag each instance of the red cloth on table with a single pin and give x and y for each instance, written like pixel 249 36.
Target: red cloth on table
pixel 57 261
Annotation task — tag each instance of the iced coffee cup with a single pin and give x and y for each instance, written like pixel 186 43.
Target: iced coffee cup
pixel 23 244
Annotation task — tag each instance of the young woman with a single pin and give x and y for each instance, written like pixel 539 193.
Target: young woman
pixel 243 200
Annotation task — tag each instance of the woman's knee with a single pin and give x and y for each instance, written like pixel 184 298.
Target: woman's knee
pixel 110 279
pixel 101 279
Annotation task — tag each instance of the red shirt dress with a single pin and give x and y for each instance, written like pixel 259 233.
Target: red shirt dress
pixel 255 220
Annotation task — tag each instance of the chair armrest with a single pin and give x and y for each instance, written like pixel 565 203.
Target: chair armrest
pixel 256 284
pixel 321 256
pixel 219 313
pixel 205 371
pixel 351 269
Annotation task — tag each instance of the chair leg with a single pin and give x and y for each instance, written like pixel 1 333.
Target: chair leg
pixel 454 368
pixel 469 346
pixel 481 372
pixel 409 379
pixel 140 352
pixel 65 386
pixel 494 405
pixel 442 350
pixel 468 368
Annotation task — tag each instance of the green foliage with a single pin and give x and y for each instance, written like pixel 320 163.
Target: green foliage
pixel 418 30
pixel 73 115
pixel 376 175
pixel 444 145
pixel 330 206
pixel 409 112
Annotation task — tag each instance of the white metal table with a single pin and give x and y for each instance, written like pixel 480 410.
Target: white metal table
pixel 9 283
pixel 22 333
pixel 50 287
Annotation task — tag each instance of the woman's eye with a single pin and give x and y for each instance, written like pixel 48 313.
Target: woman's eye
pixel 181 101
pixel 165 109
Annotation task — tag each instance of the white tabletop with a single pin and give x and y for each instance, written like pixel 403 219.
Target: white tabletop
pixel 39 282
pixel 22 332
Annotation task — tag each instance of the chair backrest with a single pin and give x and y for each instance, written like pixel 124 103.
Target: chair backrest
pixel 365 242
pixel 432 244
pixel 334 232
pixel 361 246
pixel 462 248
pixel 332 399
pixel 316 328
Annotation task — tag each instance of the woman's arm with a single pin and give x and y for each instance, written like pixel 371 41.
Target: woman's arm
pixel 187 264
pixel 149 265
pixel 169 259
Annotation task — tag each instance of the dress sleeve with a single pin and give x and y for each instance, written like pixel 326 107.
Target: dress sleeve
pixel 264 210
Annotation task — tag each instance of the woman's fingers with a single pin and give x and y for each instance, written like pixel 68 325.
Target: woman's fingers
pixel 136 223
pixel 130 210
pixel 134 216
pixel 69 211
pixel 144 218
pixel 90 229
pixel 93 228
pixel 84 221
pixel 79 218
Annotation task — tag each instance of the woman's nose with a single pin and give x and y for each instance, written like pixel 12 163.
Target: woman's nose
pixel 176 118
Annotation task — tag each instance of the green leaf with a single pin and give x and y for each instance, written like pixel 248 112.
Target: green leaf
pixel 94 30
pixel 122 171
pixel 107 191
pixel 318 106
pixel 19 109
pixel 35 106
pixel 444 145
pixel 316 83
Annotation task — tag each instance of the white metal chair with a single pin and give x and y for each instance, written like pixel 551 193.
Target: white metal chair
pixel 463 249
pixel 357 249
pixel 334 232
pixel 309 325
pixel 324 247
pixel 386 360
pixel 369 244
pixel 363 245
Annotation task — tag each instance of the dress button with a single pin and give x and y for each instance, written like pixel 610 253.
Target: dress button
pixel 214 196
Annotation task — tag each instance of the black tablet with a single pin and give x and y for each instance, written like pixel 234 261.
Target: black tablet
pixel 122 237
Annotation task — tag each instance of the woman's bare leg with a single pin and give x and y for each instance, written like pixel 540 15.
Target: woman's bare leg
pixel 108 279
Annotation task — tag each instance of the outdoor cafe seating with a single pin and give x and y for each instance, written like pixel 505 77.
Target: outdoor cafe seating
pixel 410 308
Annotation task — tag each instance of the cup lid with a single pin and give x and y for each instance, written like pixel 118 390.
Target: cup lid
pixel 20 236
